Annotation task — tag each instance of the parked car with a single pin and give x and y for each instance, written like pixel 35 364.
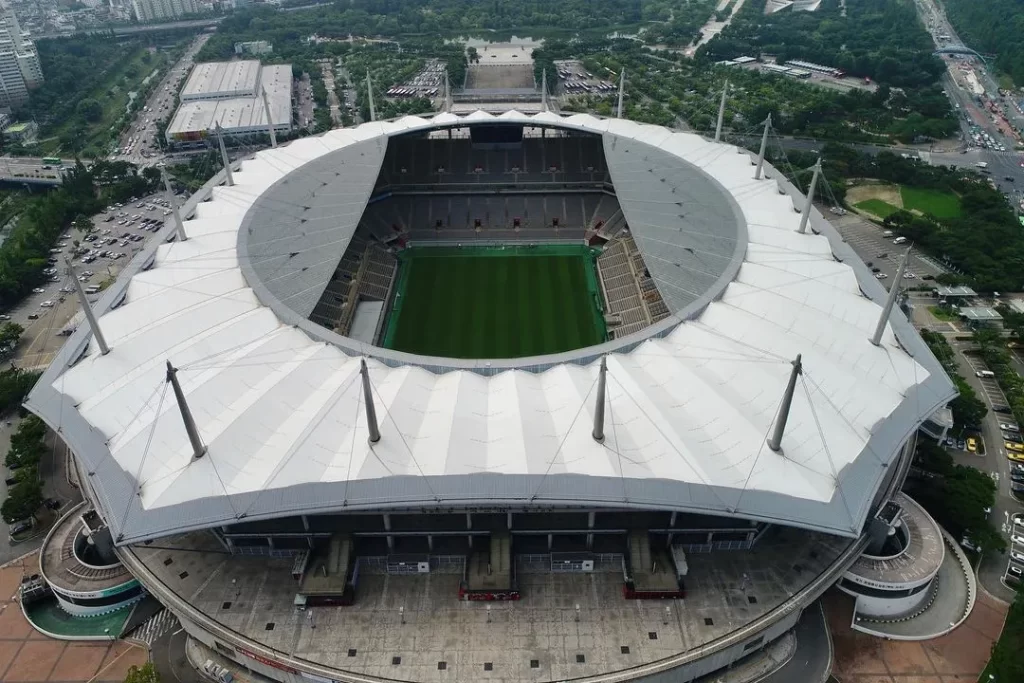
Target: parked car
pixel 21 527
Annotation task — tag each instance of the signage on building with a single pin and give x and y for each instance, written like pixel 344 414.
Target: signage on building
pixel 269 662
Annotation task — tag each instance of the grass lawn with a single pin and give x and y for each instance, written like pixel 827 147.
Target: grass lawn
pixel 483 303
pixel 877 207
pixel 941 313
pixel 99 135
pixel 934 202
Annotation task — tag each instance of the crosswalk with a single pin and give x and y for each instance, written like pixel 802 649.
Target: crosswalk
pixel 156 626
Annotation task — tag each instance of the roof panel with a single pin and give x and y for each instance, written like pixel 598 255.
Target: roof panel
pixel 687 413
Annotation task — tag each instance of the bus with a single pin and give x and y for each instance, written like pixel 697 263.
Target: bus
pixel 53 161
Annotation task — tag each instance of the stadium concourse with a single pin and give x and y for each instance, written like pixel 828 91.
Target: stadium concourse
pixel 655 493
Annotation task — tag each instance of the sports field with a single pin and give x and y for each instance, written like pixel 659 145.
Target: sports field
pixel 495 302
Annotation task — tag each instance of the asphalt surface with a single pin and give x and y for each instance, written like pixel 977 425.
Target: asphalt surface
pixel 812 661
pixel 168 656
pixel 43 323
pixel 138 144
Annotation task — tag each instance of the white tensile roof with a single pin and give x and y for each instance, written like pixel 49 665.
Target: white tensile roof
pixel 687 412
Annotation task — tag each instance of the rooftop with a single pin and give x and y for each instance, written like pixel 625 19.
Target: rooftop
pixel 254 596
pixel 61 566
pixel 979 313
pixel 222 79
pixel 689 401
pixel 243 112
pixel 921 558
pixel 959 290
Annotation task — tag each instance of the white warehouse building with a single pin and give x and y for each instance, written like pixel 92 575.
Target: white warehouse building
pixel 230 94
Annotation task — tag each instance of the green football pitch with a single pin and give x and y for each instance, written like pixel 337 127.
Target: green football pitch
pixel 495 302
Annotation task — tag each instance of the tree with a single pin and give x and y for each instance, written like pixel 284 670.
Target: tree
pixel 23 499
pixel 1006 663
pixel 10 334
pixel 147 673
pixel 90 110
pixel 472 56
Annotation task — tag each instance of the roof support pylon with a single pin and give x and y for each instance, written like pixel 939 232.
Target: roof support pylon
pixel 890 301
pixel 809 204
pixel 775 442
pixel 544 90
pixel 371 413
pixel 447 93
pixel 179 226
pixel 622 91
pixel 602 379
pixel 764 146
pixel 270 121
pixel 721 112
pixel 198 447
pixel 224 155
pixel 369 96
pixel 94 325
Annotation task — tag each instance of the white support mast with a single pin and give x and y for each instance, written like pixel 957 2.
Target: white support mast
pixel 721 112
pixel 369 96
pixel 94 325
pixel 270 121
pixel 178 224
pixel 224 156
pixel 622 91
pixel 809 204
pixel 890 301
pixel 775 442
pixel 764 146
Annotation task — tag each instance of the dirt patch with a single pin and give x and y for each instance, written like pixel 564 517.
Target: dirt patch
pixel 489 76
pixel 890 194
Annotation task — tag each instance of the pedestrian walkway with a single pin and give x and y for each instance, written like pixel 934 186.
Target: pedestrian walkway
pixel 27 656
pixel 198 654
pixel 155 627
pixel 957 657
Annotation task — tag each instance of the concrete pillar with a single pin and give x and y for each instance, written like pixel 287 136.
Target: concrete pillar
pixel 668 543
pixel 591 517
pixel 551 538
pixel 508 520
pixel 469 537
pixel 672 519
pixel 305 522
pixel 270 542
pixel 711 537
pixel 469 520
pixel 387 527
pixel 430 542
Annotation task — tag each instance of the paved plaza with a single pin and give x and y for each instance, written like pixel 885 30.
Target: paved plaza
pixel 27 656
pixel 958 657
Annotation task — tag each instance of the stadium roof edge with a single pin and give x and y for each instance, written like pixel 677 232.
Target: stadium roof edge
pixel 843 441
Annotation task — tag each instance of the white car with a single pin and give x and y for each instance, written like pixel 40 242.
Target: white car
pixel 47 304
pixel 1006 426
pixel 38 290
pixel 881 276
pixel 1019 556
pixel 1018 539
pixel 909 276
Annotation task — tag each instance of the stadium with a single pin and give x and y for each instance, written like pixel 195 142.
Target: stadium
pixel 517 397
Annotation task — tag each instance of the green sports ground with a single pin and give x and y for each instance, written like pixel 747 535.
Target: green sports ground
pixel 495 302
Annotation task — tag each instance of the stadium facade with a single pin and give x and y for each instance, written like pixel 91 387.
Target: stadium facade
pixel 315 506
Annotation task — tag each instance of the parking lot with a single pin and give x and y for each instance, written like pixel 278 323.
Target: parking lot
pixel 880 252
pixel 989 385
pixel 48 313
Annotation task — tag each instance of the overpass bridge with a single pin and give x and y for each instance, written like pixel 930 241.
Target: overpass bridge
pixel 960 50
pixel 29 171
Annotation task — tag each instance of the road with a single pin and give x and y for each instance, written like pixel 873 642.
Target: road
pixel 138 144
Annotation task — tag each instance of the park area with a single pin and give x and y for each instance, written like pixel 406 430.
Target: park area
pixel 499 302
pixel 881 200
